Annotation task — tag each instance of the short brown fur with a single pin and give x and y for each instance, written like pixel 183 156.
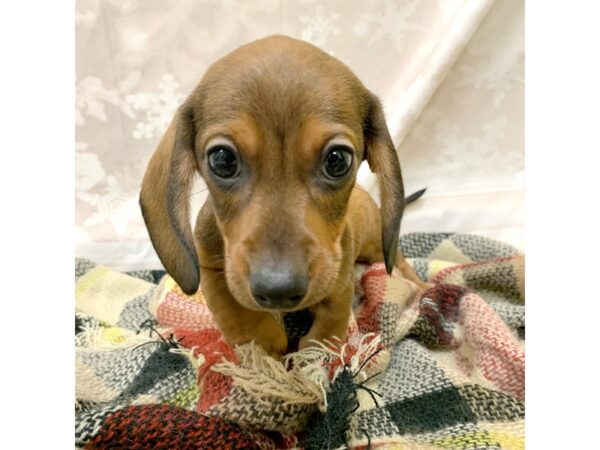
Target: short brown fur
pixel 280 101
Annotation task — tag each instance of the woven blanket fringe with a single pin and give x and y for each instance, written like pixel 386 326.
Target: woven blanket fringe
pixel 300 377
pixel 368 346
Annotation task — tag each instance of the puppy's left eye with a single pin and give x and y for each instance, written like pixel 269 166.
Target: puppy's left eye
pixel 337 161
pixel 223 161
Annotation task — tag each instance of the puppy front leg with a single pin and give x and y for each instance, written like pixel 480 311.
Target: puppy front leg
pixel 240 325
pixel 330 317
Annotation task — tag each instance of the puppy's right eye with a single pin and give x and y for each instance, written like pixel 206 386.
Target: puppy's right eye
pixel 223 161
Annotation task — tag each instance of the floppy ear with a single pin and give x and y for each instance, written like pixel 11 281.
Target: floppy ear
pixel 164 200
pixel 383 160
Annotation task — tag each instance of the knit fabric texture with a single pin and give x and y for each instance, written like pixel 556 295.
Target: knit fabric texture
pixel 443 368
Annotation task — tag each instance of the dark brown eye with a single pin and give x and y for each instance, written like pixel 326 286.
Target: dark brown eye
pixel 337 161
pixel 223 161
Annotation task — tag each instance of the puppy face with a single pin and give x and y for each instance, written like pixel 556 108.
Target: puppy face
pixel 277 129
pixel 280 204
pixel 278 142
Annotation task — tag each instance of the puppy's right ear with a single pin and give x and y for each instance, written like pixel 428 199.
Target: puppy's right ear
pixel 383 160
pixel 164 200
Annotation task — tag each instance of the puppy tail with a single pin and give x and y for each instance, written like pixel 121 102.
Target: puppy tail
pixel 415 196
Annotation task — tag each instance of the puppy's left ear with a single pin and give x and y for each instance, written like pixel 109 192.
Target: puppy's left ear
pixel 383 160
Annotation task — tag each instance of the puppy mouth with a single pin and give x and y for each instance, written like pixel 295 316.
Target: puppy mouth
pixel 320 281
pixel 313 295
pixel 242 292
pixel 283 304
pixel 282 287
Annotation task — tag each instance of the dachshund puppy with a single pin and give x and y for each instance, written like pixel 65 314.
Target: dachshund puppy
pixel 277 129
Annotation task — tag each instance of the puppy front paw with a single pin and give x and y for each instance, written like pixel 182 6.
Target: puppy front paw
pixel 307 341
pixel 271 336
pixel 265 332
pixel 311 339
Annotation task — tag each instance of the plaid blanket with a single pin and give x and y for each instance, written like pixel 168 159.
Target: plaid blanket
pixel 436 369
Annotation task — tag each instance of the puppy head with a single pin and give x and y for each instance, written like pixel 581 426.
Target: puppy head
pixel 277 129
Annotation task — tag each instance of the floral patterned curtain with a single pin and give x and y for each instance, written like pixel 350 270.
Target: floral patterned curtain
pixel 449 73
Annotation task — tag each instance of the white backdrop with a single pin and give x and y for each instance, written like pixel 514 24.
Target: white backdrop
pixel 450 74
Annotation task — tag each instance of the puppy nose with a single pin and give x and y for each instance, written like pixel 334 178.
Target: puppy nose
pixel 279 286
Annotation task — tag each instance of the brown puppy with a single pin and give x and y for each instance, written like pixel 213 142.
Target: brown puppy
pixel 277 129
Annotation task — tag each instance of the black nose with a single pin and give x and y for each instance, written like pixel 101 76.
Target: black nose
pixel 278 286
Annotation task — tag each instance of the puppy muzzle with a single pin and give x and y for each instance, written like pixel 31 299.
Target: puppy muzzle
pixel 280 286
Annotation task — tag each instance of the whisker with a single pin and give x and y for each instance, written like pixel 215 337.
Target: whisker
pixel 198 192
